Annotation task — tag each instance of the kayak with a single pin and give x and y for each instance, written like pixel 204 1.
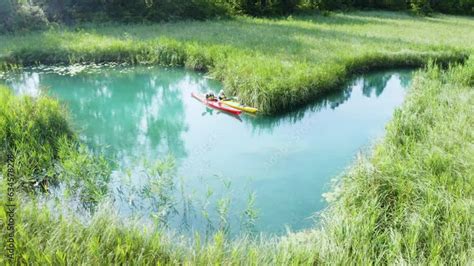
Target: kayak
pixel 216 104
pixel 239 106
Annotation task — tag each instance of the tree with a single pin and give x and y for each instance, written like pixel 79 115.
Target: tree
pixel 421 6
pixel 6 15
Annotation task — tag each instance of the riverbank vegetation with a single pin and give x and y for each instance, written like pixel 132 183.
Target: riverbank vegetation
pixel 408 202
pixel 271 64
pixel 46 151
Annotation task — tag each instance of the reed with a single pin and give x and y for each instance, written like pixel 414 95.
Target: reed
pixel 408 202
pixel 272 64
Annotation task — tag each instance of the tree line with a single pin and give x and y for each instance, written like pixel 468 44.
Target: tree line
pixel 34 14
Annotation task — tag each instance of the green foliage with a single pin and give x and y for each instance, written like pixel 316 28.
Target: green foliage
pixel 417 6
pixel 333 4
pixel 85 175
pixel 383 4
pixel 36 132
pixel 18 15
pixel 421 6
pixel 32 129
pixel 15 16
pixel 408 203
pixel 36 14
pixel 156 10
pixel 454 6
pixel 30 17
pixel 274 65
pixel 44 238
pixel 6 15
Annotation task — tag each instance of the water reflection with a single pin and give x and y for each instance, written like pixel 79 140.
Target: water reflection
pixel 287 160
pixel 372 84
pixel 375 84
pixel 123 112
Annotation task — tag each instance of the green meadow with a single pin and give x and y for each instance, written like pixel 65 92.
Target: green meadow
pixel 407 202
pixel 273 64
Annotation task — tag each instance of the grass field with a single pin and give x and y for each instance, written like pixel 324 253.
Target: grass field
pixel 273 64
pixel 409 202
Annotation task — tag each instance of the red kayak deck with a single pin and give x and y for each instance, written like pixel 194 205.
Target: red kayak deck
pixel 216 104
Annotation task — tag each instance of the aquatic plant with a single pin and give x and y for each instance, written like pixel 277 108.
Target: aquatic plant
pixel 250 215
pixel 151 191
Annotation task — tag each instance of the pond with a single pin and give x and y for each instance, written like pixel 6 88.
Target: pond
pixel 280 166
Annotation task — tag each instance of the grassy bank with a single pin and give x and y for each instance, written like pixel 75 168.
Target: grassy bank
pixel 409 202
pixel 45 150
pixel 273 64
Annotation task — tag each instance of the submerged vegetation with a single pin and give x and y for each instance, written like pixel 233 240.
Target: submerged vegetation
pixel 407 203
pixel 273 65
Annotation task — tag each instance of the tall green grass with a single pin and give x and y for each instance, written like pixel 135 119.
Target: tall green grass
pixel 410 202
pixel 273 64
pixel 46 152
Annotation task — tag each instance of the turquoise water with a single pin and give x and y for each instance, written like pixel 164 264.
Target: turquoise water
pixel 287 161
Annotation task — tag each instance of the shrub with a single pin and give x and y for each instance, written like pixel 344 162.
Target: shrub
pixel 30 17
pixel 20 17
pixel 421 6
pixel 6 15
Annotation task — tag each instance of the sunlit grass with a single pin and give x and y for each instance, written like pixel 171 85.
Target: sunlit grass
pixel 409 202
pixel 273 64
pixel 36 133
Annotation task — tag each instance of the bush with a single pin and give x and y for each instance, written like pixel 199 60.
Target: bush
pixel 454 6
pixel 418 6
pixel 421 6
pixel 6 15
pixel 21 17
pixel 30 17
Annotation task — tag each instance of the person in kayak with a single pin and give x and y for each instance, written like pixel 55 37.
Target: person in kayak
pixel 222 96
pixel 210 96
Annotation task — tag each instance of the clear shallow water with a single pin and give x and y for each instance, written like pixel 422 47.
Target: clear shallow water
pixel 287 161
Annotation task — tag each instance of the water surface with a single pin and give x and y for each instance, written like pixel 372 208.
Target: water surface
pixel 287 161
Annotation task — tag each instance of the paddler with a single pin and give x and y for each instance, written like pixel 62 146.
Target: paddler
pixel 210 96
pixel 222 96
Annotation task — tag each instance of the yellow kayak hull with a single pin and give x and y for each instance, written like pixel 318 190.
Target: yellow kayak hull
pixel 239 106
